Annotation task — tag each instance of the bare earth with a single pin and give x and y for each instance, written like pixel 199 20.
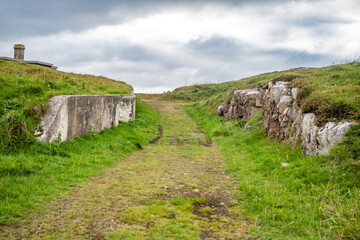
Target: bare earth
pixel 175 188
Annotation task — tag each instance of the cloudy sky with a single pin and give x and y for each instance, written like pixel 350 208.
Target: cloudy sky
pixel 159 45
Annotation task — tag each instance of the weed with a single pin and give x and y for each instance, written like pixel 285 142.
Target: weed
pixel 14 132
pixel 206 211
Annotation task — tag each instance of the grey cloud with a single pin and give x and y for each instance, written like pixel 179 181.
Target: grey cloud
pixel 32 18
pixel 116 52
pixel 217 47
pixel 293 58
pixel 320 22
pixel 39 17
pixel 320 27
pixel 137 54
pixel 216 59
pixel 233 52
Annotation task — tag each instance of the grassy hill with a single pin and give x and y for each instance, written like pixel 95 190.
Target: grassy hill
pixel 312 197
pixel 25 90
pixel 329 92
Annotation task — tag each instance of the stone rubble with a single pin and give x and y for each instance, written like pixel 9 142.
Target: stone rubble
pixel 283 119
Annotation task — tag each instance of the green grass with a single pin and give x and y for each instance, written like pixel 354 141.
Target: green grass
pixel 25 91
pixel 150 194
pixel 171 219
pixel 313 198
pixel 330 92
pixel 38 173
pixel 316 197
pixel 221 91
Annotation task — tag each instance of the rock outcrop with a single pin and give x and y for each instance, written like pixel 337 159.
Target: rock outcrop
pixel 283 118
pixel 71 116
pixel 318 141
pixel 244 105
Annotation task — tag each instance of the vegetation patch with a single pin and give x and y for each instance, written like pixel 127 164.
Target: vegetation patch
pixel 31 177
pixel 159 220
pixel 288 195
pixel 286 78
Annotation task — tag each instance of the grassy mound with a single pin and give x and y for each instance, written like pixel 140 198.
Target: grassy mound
pixel 25 90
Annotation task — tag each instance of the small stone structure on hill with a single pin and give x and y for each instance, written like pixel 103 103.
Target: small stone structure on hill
pixel 283 118
pixel 19 52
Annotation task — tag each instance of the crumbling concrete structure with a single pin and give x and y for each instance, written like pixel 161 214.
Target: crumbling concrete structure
pixel 72 116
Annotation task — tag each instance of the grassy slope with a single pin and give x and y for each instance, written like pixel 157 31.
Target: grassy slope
pixel 330 92
pixel 313 198
pixel 31 172
pixel 220 92
pixel 25 90
pixel 316 197
pixel 40 172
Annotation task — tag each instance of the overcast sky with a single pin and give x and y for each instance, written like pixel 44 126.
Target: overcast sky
pixel 159 45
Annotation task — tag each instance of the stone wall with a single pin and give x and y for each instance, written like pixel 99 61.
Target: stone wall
pixel 72 116
pixel 283 118
pixel 244 105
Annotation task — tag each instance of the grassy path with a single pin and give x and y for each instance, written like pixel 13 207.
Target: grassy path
pixel 173 189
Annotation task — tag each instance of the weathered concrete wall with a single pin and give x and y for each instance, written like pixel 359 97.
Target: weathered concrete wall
pixel 284 120
pixel 71 116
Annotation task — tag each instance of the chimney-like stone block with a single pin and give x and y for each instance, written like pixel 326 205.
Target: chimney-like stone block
pixel 19 50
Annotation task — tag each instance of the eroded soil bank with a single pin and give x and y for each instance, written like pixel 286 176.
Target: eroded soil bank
pixel 173 189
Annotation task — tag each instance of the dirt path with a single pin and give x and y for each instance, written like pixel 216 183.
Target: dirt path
pixel 173 189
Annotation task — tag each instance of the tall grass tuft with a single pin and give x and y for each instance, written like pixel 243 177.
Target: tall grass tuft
pixel 14 133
